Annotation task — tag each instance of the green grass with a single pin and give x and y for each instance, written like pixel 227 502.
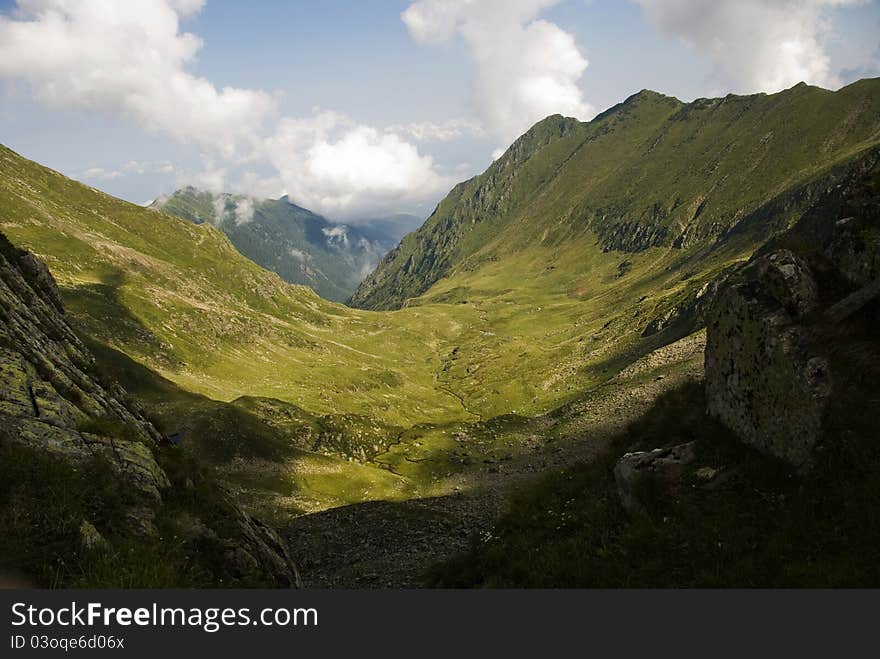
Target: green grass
pixel 208 328
pixel 43 502
pixel 180 300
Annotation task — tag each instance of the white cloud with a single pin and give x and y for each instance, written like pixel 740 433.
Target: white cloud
pixel 239 210
pixel 443 131
pixel 343 169
pixel 211 178
pixel 755 45
pixel 128 58
pixel 336 236
pixel 527 68
pixel 101 173
pixel 219 206
pixel 132 167
pixel 244 211
pixel 299 255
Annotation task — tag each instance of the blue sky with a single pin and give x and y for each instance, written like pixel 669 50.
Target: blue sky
pixel 375 106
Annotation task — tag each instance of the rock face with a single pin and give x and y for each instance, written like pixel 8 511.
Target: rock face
pixel 685 314
pixel 48 400
pixel 774 324
pixel 51 404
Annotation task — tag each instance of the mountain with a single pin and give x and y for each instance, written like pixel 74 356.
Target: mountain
pixel 298 245
pixel 260 378
pixel 652 172
pixel 762 474
pixel 394 226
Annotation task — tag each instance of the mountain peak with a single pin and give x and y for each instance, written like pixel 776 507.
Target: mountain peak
pixel 645 98
pixel 649 95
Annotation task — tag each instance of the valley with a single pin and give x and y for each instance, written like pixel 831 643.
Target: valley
pixel 541 310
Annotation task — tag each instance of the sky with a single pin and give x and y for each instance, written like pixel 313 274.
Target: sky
pixel 364 109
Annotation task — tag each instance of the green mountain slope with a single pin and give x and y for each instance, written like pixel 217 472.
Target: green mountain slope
pixel 178 298
pixel 300 246
pixel 650 172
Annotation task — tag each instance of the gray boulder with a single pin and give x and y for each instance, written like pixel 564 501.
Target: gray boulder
pixel 765 379
pixel 637 473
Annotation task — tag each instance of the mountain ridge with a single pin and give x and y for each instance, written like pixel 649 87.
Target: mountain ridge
pixel 626 177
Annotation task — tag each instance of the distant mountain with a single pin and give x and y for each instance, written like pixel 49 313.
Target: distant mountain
pixel 651 172
pixel 394 226
pixel 300 246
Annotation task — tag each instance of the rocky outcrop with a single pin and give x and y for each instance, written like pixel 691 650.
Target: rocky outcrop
pixel 260 551
pixel 774 325
pixel 853 246
pixel 685 314
pixel 52 404
pixel 764 378
pixel 49 401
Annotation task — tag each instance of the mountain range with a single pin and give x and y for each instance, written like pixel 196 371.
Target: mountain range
pixel 300 246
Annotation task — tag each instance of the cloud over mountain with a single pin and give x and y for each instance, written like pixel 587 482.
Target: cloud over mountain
pixel 527 68
pixel 755 45
pixel 135 60
pixel 341 168
pixel 129 59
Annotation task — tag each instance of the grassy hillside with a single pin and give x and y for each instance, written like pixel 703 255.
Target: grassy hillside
pixel 181 300
pixel 735 515
pixel 651 172
pixel 298 245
